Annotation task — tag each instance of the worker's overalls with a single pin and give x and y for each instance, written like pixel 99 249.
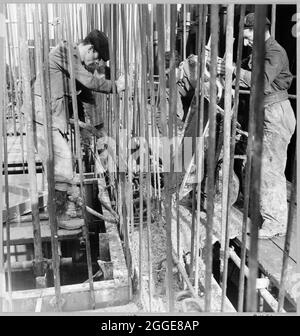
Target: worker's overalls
pixel 279 126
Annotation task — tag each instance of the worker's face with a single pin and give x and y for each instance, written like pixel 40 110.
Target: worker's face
pixel 248 37
pixel 91 56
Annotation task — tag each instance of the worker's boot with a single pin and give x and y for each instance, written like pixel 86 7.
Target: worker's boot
pixel 64 212
pixel 75 201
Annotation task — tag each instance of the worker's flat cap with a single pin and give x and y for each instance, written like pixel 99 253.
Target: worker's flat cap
pixel 249 21
pixel 100 42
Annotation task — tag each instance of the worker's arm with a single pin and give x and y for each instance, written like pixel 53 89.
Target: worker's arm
pixel 91 81
pixel 273 66
pixel 61 60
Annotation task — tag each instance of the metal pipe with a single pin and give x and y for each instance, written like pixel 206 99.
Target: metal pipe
pixel 142 137
pixel 160 12
pixel 202 131
pixel 256 131
pixel 25 70
pixel 199 132
pixel 2 128
pixel 146 20
pixel 100 216
pixel 264 293
pixel 232 147
pixel 79 156
pixel 47 116
pixel 287 242
pixel 172 116
pixel 214 24
pixel 184 32
pixel 227 155
pixel 165 132
pixel 16 59
pixel 20 266
pixel 124 184
pixel 273 21
pixel 186 279
pixel 2 120
pixel 10 74
pixel 6 192
pixel 247 92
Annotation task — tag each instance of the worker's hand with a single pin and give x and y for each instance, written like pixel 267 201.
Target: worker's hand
pixel 219 90
pixel 221 66
pixel 120 83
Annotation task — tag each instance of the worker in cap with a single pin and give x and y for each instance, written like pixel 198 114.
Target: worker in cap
pixel 86 55
pixel 279 126
pixel 249 29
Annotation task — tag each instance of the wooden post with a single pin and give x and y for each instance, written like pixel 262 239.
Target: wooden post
pixel 214 24
pixel 226 151
pixel 79 156
pixel 256 119
pixel 26 74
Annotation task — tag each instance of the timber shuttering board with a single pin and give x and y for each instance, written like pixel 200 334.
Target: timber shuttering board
pixel 76 297
pixel 270 257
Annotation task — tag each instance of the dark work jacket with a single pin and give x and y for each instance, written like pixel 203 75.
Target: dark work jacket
pixel 60 85
pixel 278 77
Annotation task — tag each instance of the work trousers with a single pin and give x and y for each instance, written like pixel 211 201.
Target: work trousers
pixel 279 126
pixel 62 157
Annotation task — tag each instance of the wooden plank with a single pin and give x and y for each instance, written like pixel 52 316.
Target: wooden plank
pixel 15 151
pixel 117 257
pixel 270 258
pixel 185 246
pixel 23 207
pixel 75 297
pixel 279 242
pixel 128 309
pixel 23 233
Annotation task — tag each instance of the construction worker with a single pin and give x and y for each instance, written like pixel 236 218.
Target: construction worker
pixel 87 53
pixel 279 126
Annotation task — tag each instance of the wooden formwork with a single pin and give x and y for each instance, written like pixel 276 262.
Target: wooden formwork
pixel 76 297
pixel 132 39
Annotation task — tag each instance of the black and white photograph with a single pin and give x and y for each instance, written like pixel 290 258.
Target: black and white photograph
pixel 149 160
